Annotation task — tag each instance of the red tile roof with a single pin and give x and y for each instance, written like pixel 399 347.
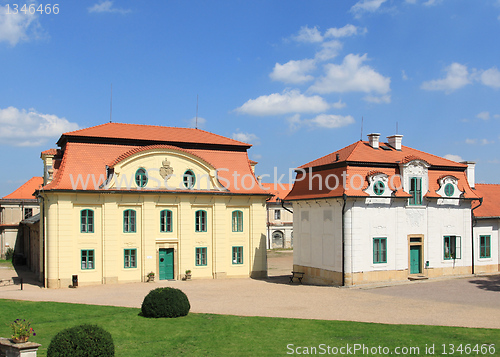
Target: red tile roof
pixel 361 159
pixel 491 200
pixel 278 191
pixel 25 192
pixel 153 133
pixel 90 160
pixel 361 151
pixel 51 152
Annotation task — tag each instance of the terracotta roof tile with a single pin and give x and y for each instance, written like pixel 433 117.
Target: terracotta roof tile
pixel 491 200
pixel 25 192
pixel 51 152
pixel 154 133
pixel 278 192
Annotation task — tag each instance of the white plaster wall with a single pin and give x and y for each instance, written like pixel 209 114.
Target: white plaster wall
pixel 487 227
pixel 317 228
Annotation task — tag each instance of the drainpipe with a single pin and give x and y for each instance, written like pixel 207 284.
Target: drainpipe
pixel 283 205
pixel 472 231
pixel 344 198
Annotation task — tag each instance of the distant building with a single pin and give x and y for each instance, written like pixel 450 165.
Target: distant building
pixel 279 217
pixel 14 208
pixel 124 200
pixel 375 211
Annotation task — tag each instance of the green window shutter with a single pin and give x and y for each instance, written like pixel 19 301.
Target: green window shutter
pixel 379 250
pixel 201 256
pixel 87 221
pixel 237 255
pixel 166 221
pixel 237 221
pixel 201 221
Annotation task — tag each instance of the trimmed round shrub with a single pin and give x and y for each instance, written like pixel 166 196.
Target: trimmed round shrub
pixel 82 341
pixel 165 302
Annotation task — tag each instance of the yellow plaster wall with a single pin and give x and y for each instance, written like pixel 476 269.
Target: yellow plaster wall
pixel 64 241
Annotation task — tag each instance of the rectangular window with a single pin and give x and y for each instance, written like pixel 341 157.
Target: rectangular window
pixel 237 255
pixel 452 247
pixel 237 221
pixel 485 247
pixel 416 191
pixel 379 250
pixel 28 212
pixel 201 221
pixel 87 259
pixel 277 214
pixel 166 221
pixel 87 221
pixel 129 219
pixel 130 258
pixel 201 256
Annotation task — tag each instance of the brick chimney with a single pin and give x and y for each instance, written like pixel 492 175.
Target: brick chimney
pixel 395 141
pixel 373 139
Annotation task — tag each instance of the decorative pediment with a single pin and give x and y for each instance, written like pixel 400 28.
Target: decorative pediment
pixel 378 184
pixel 448 187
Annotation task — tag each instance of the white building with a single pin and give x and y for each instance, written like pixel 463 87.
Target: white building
pixel 279 216
pixel 375 211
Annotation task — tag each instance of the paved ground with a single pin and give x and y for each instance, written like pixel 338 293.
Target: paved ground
pixel 471 302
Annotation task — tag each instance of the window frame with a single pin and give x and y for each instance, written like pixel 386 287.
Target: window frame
pixel 457 247
pixel 416 193
pixel 88 258
pixel 447 188
pixel 130 256
pixel 200 256
pixel 166 218
pixel 86 224
pixel 26 211
pixel 237 221
pixel 127 221
pixel 237 255
pixel 380 250
pixel 277 214
pixel 486 247
pixel 141 178
pixel 379 191
pixel 200 221
pixel 191 175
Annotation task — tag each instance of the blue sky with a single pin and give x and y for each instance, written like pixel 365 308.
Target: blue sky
pixel 293 78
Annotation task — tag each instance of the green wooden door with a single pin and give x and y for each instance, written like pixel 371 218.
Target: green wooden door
pixel 415 266
pixel 166 264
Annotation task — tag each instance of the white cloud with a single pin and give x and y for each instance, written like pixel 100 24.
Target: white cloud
pixel 328 50
pixel 470 141
pixel 457 76
pixel 331 121
pixel 307 34
pixel 339 105
pixel 30 128
pixel 351 76
pixel 257 157
pixel 291 101
pixel 18 27
pixel 486 142
pixel 483 115
pixel 452 157
pixel 363 6
pixel 346 31
pixel 491 77
pixel 404 76
pixel 107 6
pixel 196 123
pixel 246 138
pixel 327 121
pixel 378 100
pixel 293 71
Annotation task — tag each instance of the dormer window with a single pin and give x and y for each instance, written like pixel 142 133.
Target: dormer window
pixel 379 188
pixel 416 191
pixel 449 189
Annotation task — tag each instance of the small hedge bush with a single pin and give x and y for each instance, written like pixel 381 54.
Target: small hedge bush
pixel 165 302
pixel 82 341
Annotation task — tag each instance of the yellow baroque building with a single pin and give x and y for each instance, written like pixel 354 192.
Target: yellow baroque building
pixel 120 201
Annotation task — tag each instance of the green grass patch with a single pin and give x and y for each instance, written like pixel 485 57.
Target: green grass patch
pixel 225 335
pixel 6 263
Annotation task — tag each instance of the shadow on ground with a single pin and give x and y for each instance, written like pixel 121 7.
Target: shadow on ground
pixel 491 283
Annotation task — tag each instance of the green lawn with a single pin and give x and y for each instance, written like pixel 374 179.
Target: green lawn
pixel 221 335
pixel 6 263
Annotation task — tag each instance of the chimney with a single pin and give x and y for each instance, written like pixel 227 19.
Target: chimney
pixel 471 176
pixel 373 140
pixel 395 141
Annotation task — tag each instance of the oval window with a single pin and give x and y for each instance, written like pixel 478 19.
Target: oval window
pixel 141 178
pixel 379 188
pixel 188 179
pixel 449 189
